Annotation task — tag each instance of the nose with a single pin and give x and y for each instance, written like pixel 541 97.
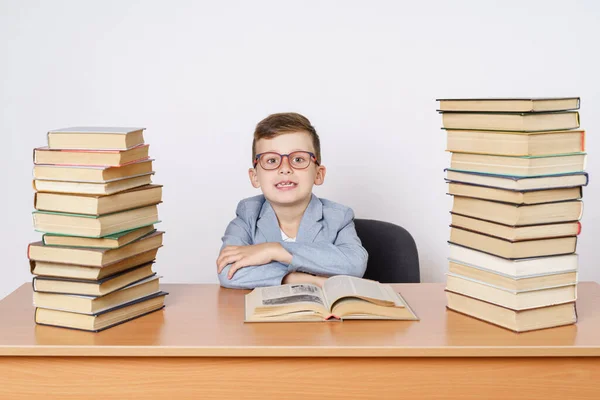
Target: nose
pixel 285 167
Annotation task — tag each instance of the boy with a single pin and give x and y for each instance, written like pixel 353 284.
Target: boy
pixel 287 234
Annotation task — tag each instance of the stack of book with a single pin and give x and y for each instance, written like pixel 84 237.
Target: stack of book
pixel 516 177
pixel 96 206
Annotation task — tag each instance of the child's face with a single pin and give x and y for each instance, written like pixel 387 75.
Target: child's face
pixel 286 185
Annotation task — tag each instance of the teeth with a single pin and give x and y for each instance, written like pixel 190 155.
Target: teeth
pixel 285 184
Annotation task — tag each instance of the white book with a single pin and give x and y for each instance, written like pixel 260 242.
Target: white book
pixel 526 267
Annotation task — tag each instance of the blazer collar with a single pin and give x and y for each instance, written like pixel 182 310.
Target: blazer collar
pixel 310 225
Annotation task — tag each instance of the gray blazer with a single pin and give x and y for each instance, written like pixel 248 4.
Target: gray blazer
pixel 326 243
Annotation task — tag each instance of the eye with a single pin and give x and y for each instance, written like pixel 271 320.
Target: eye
pixel 299 159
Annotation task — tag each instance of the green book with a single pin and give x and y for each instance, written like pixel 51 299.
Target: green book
pixel 114 241
pixel 94 226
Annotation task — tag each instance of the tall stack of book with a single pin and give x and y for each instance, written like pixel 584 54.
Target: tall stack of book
pixel 516 177
pixel 96 206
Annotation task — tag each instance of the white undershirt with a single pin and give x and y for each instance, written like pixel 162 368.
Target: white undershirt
pixel 285 237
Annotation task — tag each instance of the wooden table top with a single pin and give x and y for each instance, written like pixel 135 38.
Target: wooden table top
pixel 204 320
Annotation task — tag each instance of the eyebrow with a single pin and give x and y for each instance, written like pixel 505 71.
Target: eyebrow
pixel 275 151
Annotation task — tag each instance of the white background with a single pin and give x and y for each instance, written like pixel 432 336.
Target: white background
pixel 200 75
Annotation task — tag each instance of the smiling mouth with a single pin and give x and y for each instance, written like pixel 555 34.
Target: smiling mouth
pixel 286 184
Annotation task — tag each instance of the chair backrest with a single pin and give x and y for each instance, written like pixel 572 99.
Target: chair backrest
pixel 393 256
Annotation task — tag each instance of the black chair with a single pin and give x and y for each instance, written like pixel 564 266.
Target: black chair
pixel 393 256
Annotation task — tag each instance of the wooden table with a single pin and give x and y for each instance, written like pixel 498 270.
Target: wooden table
pixel 198 347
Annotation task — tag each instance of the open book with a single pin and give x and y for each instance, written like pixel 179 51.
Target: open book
pixel 342 297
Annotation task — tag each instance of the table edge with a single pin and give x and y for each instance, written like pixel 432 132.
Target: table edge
pixel 293 351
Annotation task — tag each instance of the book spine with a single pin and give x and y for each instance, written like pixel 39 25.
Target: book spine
pixel 108 151
pixel 106 166
pixel 578 227
pixel 582 140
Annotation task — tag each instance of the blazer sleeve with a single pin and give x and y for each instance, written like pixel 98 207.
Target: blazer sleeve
pixel 345 256
pixel 238 234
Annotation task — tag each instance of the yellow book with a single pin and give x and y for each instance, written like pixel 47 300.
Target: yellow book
pixel 342 297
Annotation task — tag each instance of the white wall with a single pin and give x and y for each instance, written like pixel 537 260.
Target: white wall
pixel 200 75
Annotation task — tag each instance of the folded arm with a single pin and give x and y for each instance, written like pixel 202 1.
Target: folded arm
pixel 249 277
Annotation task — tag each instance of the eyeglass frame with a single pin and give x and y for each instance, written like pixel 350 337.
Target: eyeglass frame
pixel 312 158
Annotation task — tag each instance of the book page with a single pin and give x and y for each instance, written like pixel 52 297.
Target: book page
pixel 290 298
pixel 292 293
pixel 341 286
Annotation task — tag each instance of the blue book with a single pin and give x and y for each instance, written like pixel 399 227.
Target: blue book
pixel 518 183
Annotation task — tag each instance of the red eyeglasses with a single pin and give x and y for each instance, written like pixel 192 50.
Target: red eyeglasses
pixel 297 159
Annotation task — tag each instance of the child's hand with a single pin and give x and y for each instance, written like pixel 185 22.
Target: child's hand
pixel 244 256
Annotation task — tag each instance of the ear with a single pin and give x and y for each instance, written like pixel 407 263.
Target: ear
pixel 320 177
pixel 253 178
